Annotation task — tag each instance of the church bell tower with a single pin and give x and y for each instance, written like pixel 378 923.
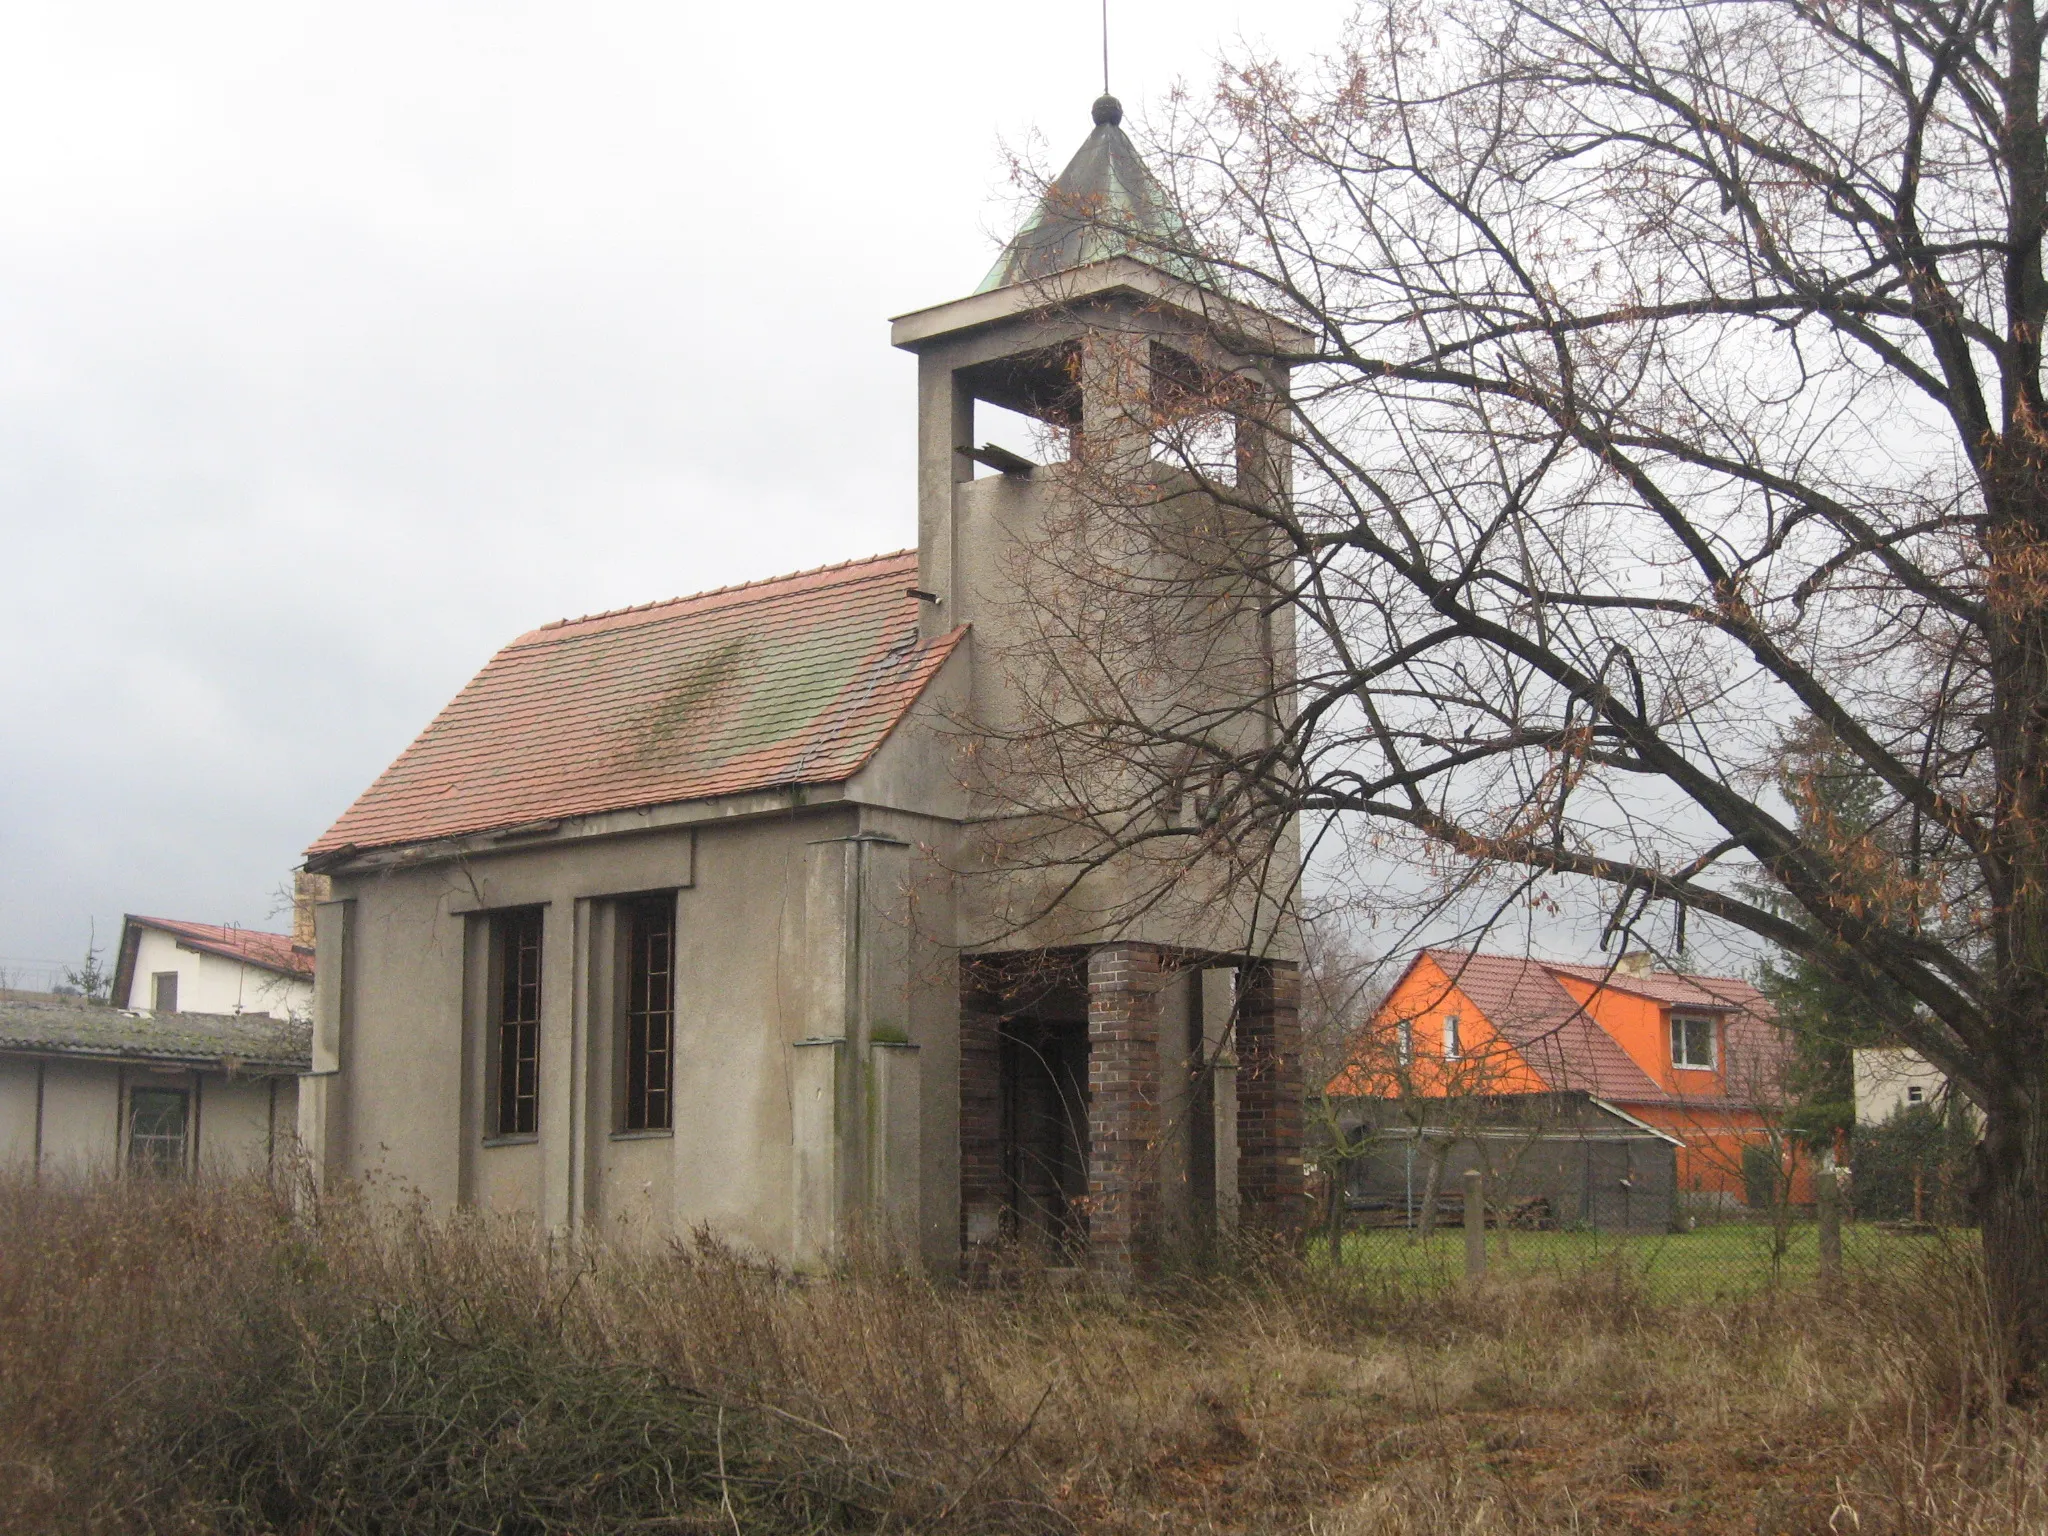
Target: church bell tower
pixel 1129 1080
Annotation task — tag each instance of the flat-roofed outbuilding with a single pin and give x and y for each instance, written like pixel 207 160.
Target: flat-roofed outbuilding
pixel 87 1089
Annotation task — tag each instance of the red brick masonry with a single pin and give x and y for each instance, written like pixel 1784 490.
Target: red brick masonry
pixel 1269 1101
pixel 1123 1109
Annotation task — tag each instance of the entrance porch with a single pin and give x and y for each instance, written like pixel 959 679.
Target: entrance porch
pixel 1126 1104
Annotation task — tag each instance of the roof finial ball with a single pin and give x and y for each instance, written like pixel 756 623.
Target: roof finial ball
pixel 1108 110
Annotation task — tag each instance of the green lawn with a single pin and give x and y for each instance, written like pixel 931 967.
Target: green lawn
pixel 1724 1259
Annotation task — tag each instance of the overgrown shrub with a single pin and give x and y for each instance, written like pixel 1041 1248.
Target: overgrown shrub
pixel 184 1359
pixel 1922 1142
pixel 1762 1177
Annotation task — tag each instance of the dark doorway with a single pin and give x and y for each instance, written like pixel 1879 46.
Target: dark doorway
pixel 1608 1187
pixel 1045 1133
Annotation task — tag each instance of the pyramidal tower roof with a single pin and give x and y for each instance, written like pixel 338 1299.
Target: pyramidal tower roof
pixel 1104 204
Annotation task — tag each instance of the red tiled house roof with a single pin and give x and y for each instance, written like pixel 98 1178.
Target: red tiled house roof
pixel 795 680
pixel 271 951
pixel 1527 1004
pixel 1543 1022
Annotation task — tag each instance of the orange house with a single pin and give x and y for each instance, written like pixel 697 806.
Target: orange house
pixel 1698 1057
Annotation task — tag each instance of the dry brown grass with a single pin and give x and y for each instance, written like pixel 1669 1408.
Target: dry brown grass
pixel 181 1359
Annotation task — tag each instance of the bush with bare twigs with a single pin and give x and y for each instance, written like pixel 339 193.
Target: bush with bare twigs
pixel 180 1358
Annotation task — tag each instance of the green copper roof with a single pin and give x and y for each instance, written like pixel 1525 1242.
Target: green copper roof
pixel 1104 204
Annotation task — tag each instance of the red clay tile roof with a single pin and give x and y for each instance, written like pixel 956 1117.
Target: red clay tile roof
pixel 1754 1048
pixel 1679 989
pixel 1522 1000
pixel 795 680
pixel 272 951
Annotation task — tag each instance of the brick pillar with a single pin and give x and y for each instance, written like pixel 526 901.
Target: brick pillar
pixel 981 1124
pixel 1269 1101
pixel 1123 1105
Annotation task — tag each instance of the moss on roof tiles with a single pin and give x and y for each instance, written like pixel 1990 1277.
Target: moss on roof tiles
pixel 87 1029
pixel 795 680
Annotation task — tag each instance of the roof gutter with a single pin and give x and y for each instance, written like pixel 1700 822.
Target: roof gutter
pixel 251 1066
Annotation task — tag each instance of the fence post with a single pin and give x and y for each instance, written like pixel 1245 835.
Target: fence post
pixel 1475 1225
pixel 1827 1200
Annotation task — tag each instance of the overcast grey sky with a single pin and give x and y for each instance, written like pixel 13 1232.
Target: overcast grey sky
pixel 339 344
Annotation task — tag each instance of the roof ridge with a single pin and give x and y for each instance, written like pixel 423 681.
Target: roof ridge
pixel 194 922
pixel 737 586
pixel 1605 970
pixel 1653 974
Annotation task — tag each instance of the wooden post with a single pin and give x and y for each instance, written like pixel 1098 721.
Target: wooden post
pixel 1827 1199
pixel 1475 1224
pixel 1919 1197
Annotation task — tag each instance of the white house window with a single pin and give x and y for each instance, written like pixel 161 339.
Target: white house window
pixel 1451 1045
pixel 156 1130
pixel 163 992
pixel 1915 1094
pixel 1404 1041
pixel 1692 1042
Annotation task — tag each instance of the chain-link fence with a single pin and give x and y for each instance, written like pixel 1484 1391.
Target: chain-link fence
pixel 1670 1243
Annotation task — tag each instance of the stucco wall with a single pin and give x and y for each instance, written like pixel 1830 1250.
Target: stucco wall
pixel 1423 999
pixel 18 1088
pixel 407 1107
pixel 234 1125
pixel 81 1117
pixel 210 984
pixel 999 582
pixel 1885 1077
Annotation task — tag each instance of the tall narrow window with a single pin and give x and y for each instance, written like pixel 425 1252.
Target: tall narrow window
pixel 650 1013
pixel 156 1130
pixel 163 992
pixel 1451 1045
pixel 516 940
pixel 1404 1041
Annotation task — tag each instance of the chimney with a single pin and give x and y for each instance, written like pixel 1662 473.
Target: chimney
pixel 1635 963
pixel 306 890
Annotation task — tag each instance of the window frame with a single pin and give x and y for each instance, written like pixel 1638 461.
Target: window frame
pixel 1404 1042
pixel 1453 1037
pixel 157 1165
pixel 514 1011
pixel 1680 1032
pixel 156 991
pixel 646 1096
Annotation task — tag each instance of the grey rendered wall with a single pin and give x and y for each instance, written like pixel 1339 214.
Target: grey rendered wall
pixel 911 791
pixel 409 1094
pixel 17 1113
pixel 81 1117
pixel 238 1119
pixel 998 523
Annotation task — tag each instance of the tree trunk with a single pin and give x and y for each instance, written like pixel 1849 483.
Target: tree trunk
pixel 2012 1185
pixel 2012 1198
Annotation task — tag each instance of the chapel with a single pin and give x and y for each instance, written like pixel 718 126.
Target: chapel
pixel 705 914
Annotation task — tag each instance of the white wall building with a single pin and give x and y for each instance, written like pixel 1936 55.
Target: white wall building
pixel 168 966
pixel 1892 1078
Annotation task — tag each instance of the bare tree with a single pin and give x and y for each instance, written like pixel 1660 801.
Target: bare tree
pixel 1674 376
